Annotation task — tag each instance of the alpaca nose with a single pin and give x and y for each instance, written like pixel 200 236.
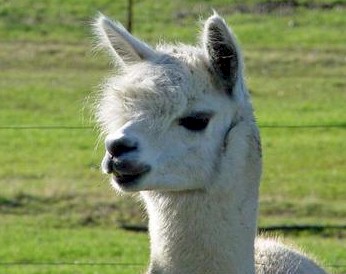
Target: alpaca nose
pixel 120 146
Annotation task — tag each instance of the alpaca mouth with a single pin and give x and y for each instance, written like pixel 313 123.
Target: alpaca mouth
pixel 130 176
pixel 125 172
pixel 127 180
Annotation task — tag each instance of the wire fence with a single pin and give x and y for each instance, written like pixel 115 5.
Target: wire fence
pixel 101 264
pixel 72 264
pixel 141 265
pixel 79 127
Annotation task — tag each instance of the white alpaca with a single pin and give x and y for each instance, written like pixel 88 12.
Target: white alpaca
pixel 181 131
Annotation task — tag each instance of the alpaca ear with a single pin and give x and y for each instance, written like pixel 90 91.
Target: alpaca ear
pixel 222 50
pixel 125 47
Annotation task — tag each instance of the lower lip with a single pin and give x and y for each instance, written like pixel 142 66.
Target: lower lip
pixel 127 180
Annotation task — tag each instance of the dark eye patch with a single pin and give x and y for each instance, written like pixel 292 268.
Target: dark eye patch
pixel 196 121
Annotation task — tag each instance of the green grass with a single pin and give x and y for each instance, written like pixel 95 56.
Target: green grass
pixel 55 243
pixel 55 206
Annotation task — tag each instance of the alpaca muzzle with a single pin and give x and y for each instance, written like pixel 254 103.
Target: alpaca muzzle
pixel 121 160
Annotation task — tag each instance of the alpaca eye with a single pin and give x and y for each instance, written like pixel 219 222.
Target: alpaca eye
pixel 195 122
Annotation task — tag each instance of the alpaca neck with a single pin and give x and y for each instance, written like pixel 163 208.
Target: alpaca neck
pixel 211 230
pixel 202 232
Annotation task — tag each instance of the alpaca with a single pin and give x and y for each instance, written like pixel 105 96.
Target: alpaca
pixel 180 131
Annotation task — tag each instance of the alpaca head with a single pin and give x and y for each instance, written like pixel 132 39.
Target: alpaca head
pixel 171 114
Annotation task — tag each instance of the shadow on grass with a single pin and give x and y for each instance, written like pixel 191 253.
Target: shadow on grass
pixel 72 209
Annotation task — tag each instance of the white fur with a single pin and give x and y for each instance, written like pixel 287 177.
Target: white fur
pixel 201 193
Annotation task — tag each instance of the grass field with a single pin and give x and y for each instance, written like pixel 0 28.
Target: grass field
pixel 56 207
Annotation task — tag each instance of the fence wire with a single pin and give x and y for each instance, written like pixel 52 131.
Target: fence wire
pixel 71 264
pixel 79 127
pixel 118 264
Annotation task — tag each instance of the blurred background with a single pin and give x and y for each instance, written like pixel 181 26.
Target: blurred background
pixel 58 213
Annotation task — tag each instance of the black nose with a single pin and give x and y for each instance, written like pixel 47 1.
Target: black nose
pixel 120 146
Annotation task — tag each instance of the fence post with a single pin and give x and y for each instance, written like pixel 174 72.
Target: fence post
pixel 129 16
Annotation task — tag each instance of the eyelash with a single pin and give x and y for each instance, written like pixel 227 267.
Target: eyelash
pixel 196 122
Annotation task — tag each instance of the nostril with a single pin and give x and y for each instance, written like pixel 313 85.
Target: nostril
pixel 120 146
